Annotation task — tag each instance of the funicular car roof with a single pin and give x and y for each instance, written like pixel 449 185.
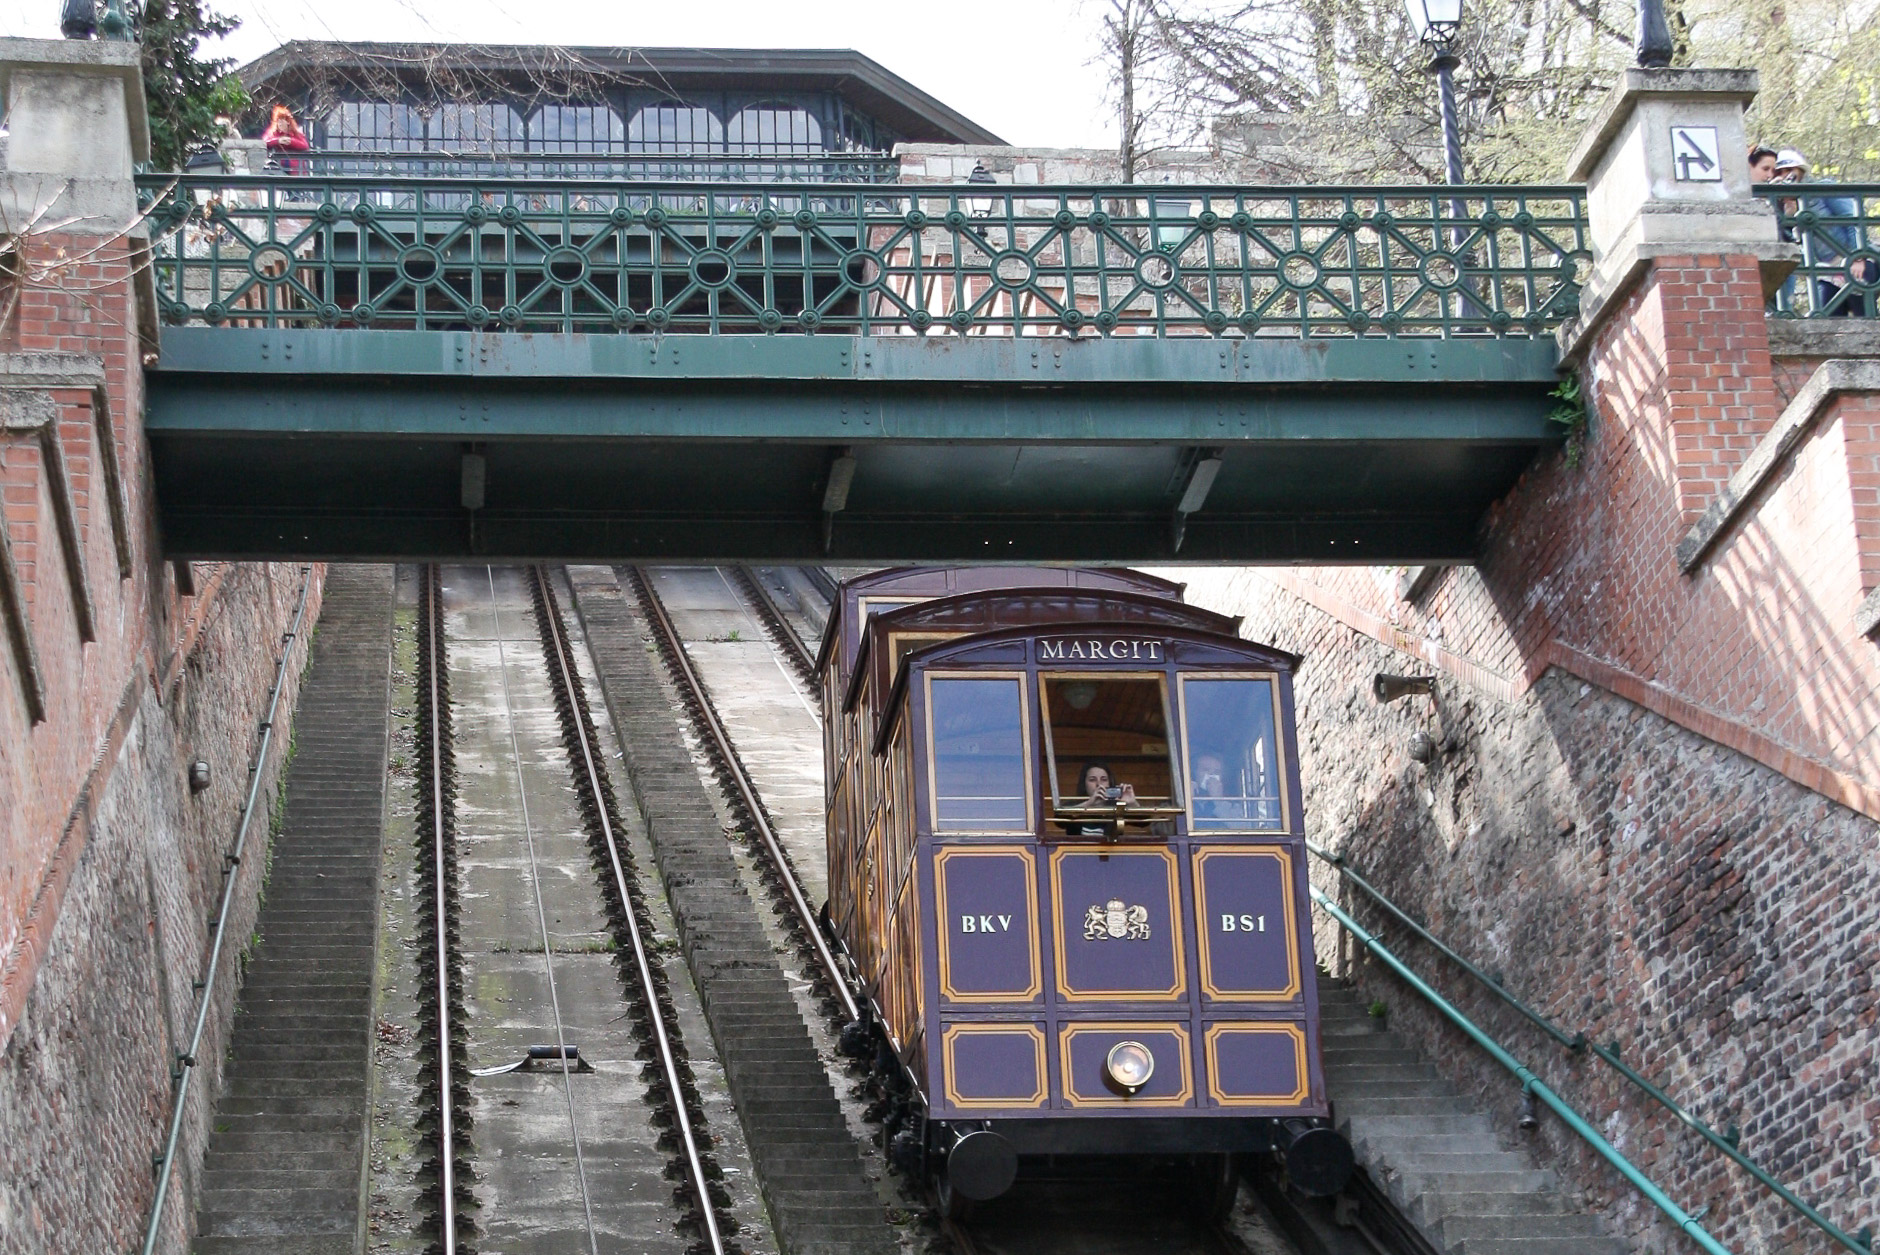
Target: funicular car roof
pixel 979 612
pixel 1262 657
pixel 948 581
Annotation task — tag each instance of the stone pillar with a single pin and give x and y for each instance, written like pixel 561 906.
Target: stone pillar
pixel 1673 333
pixel 76 123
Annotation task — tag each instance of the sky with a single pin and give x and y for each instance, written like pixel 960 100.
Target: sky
pixel 1021 68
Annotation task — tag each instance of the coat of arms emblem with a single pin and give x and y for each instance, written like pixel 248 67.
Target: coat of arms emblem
pixel 1116 922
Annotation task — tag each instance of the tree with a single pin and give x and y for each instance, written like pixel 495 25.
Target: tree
pixel 1532 72
pixel 183 91
pixel 1145 96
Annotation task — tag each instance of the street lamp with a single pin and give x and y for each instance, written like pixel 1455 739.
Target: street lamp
pixel 1437 22
pixel 980 206
pixel 1172 214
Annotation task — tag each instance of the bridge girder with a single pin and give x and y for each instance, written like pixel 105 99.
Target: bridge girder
pixel 366 444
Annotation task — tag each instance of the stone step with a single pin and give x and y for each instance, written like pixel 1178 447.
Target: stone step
pixel 287 1143
pixel 1539 1246
pixel 300 1244
pixel 1436 1151
pixel 1474 1124
pixel 1529 1226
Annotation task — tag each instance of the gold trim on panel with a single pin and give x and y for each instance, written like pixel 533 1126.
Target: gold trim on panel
pixel 1279 749
pixel 1062 919
pixel 1074 1099
pixel 1024 725
pixel 1033 1100
pixel 940 859
pixel 1203 917
pixel 1213 1035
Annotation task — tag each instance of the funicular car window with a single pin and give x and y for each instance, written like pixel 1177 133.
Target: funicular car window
pixel 1119 723
pixel 977 745
pixel 1234 771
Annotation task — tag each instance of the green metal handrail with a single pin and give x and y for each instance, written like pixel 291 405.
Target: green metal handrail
pixel 599 255
pixel 1725 1142
pixel 1838 227
pixel 165 1161
pixel 796 167
pixel 1530 1084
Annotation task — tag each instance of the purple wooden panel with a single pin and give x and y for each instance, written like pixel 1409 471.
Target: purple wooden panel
pixel 1245 920
pixel 993 1065
pixel 987 913
pixel 1084 1049
pixel 1257 1064
pixel 1118 933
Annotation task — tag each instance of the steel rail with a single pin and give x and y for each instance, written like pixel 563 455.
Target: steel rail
pixel 432 616
pixel 795 646
pixel 185 1068
pixel 1609 1054
pixel 560 652
pixel 747 792
pixel 1530 1083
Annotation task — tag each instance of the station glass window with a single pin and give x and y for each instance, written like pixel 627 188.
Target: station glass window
pixel 475 128
pixel 977 746
pixel 576 129
pixel 358 126
pixel 1233 762
pixel 674 128
pixel 1118 722
pixel 774 127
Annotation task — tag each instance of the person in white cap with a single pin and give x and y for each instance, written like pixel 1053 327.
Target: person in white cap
pixel 1828 244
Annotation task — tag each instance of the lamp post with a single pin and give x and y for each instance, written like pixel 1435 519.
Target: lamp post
pixel 1437 22
pixel 79 19
pixel 1654 35
pixel 980 206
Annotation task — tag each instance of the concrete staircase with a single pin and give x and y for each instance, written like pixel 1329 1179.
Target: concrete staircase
pixel 286 1158
pixel 1435 1152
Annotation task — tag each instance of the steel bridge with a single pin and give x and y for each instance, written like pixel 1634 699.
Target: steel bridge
pixel 841 368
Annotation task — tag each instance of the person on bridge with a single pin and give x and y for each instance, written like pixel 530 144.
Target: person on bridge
pixel 285 136
pixel 1828 242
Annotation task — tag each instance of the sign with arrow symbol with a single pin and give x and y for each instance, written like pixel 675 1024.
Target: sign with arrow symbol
pixel 1694 153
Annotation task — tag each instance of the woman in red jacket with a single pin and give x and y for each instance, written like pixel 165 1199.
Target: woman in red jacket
pixel 285 136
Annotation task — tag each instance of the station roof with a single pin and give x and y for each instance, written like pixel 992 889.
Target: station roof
pixel 870 86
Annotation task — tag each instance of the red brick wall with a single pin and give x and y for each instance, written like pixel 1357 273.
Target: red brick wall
pixel 1659 820
pixel 1692 350
pixel 109 867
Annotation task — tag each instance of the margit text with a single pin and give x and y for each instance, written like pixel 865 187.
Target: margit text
pixel 1098 649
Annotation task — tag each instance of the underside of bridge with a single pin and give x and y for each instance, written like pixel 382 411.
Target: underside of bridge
pixel 439 444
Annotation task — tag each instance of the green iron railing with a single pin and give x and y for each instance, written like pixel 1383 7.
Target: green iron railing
pixel 541 255
pixel 1838 227
pixel 1727 1141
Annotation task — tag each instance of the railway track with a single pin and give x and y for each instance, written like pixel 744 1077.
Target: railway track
pixel 676 1089
pixel 490 904
pixel 780 877
pixel 445 1192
